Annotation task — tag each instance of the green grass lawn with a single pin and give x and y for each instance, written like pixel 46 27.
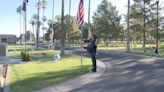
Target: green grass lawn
pixel 43 72
pixel 18 47
pixel 137 50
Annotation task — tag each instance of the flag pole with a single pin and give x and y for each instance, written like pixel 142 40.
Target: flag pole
pixel 53 21
pixel 81 48
pixel 80 21
pixel 89 26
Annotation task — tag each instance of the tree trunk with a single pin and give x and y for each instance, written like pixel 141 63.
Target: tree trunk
pixel 20 27
pixel 63 34
pixel 38 26
pixel 33 33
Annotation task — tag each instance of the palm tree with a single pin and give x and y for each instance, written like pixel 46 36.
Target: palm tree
pixel 32 22
pixel 44 5
pixel 62 41
pixel 34 18
pixel 144 31
pixel 128 34
pixel 38 24
pixel 19 11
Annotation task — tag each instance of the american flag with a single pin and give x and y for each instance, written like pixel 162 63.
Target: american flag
pixel 80 14
pixel 51 37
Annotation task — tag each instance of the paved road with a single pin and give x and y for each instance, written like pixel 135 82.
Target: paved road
pixel 128 73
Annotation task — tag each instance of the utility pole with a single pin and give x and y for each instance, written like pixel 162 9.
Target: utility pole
pixel 128 34
pixel 144 33
pixel 156 49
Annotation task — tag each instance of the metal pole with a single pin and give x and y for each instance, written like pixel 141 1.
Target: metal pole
pixel 128 35
pixel 20 25
pixel 53 19
pixel 144 34
pixel 89 25
pixel 81 48
pixel 157 29
pixel 52 15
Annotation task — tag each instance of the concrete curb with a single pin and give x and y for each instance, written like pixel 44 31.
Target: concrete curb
pixel 78 82
pixel 6 84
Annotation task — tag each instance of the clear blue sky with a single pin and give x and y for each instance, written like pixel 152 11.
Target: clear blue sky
pixel 9 23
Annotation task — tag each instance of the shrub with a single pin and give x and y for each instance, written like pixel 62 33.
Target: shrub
pixel 25 56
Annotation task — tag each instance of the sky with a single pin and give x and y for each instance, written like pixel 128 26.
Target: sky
pixel 9 18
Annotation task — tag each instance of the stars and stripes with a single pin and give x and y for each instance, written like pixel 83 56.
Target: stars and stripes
pixel 80 13
pixel 51 37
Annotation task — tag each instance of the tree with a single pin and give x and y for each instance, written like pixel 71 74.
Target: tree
pixel 32 22
pixel 70 28
pixel 142 12
pixel 44 5
pixel 19 11
pixel 28 35
pixel 106 22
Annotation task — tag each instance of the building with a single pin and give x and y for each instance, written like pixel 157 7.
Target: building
pixel 10 39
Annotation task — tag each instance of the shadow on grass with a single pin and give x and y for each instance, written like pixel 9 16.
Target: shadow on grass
pixel 44 79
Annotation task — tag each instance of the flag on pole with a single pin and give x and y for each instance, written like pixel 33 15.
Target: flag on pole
pixel 80 13
pixel 80 21
pixel 51 37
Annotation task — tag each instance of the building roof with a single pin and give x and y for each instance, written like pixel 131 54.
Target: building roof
pixel 7 36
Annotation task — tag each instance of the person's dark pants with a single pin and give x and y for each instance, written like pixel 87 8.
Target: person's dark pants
pixel 94 62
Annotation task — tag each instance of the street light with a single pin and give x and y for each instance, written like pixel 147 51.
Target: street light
pixel 156 49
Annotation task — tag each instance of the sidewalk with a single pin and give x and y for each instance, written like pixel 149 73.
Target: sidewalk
pixel 78 82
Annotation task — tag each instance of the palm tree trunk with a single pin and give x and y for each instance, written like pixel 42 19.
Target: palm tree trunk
pixel 43 25
pixel 62 42
pixel 33 32
pixel 20 28
pixel 38 25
